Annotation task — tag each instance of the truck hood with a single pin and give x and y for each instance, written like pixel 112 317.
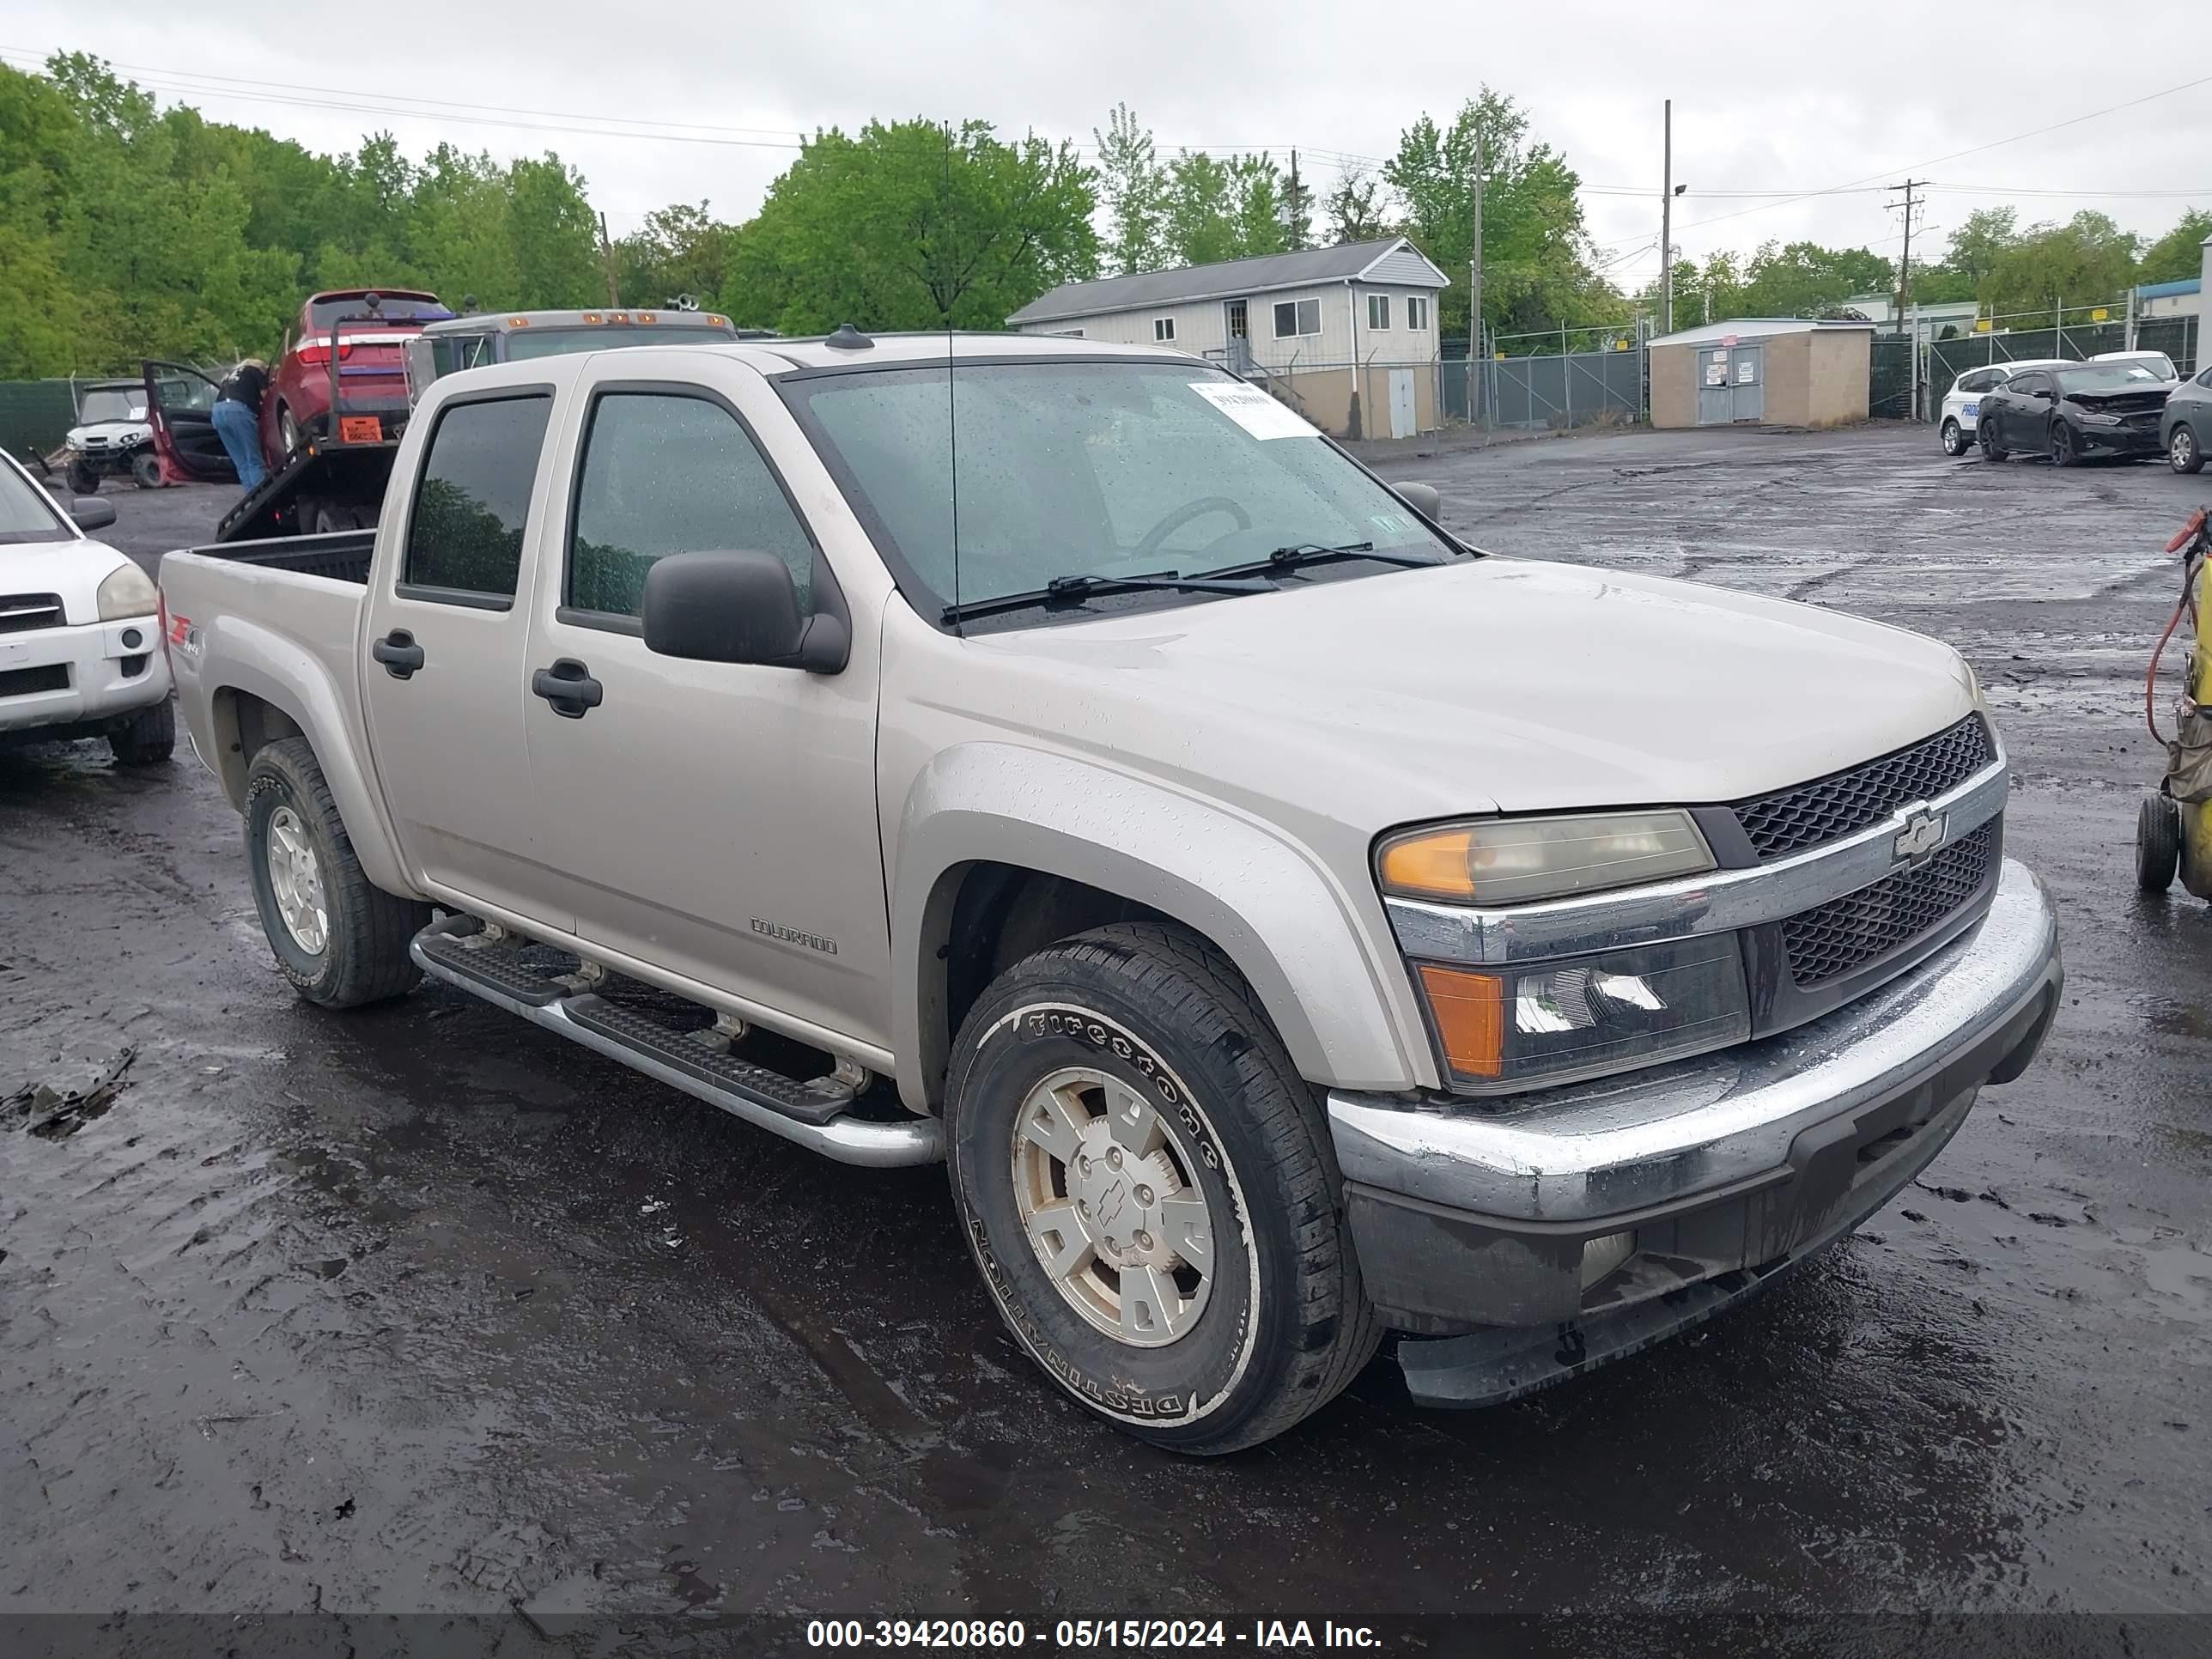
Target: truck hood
pixel 1497 684
pixel 73 570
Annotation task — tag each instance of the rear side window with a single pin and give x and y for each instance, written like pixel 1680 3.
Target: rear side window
pixel 668 474
pixel 472 502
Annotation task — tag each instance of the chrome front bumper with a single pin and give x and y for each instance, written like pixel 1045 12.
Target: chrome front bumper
pixel 1471 1213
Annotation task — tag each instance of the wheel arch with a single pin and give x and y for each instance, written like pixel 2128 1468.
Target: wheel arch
pixel 1002 850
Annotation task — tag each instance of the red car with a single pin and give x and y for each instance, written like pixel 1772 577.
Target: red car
pixel 369 329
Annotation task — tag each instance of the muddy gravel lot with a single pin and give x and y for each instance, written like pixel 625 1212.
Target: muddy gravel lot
pixel 420 1310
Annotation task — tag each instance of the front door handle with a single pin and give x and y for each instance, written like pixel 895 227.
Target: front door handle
pixel 398 653
pixel 570 687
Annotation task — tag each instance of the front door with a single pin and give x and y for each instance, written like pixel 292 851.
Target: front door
pixel 442 670
pixel 1402 418
pixel 717 820
pixel 180 402
pixel 1748 382
pixel 1716 398
pixel 1236 333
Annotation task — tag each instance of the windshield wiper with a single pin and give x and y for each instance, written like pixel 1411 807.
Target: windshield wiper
pixel 1305 553
pixel 1074 589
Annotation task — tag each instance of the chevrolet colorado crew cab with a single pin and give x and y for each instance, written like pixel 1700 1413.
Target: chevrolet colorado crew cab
pixel 1289 924
pixel 81 651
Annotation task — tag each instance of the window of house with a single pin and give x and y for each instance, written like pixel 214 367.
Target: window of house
pixel 1163 328
pixel 1296 317
pixel 663 474
pixel 1378 311
pixel 1416 312
pixel 465 535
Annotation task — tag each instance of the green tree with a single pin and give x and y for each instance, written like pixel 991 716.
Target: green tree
pixel 911 225
pixel 2087 259
pixel 681 249
pixel 1534 248
pixel 1357 210
pixel 1804 279
pixel 1135 188
pixel 2179 253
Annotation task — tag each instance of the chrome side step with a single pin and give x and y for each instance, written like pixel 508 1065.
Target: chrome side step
pixel 812 1114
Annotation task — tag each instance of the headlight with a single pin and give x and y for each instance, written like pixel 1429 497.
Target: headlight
pixel 1554 1022
pixel 1515 860
pixel 128 592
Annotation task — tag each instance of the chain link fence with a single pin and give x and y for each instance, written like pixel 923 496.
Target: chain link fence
pixel 1546 391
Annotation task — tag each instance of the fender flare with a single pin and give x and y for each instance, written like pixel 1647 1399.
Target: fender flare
pixel 1344 1009
pixel 261 663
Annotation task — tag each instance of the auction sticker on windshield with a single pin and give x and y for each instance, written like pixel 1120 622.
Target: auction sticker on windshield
pixel 1253 409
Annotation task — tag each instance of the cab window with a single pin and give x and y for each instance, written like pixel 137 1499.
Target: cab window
pixel 465 535
pixel 666 473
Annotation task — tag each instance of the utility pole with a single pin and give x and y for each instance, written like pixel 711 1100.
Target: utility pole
pixel 607 258
pixel 1475 373
pixel 1667 227
pixel 1904 258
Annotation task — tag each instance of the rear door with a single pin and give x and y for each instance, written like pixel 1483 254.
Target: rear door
pixel 180 402
pixel 716 820
pixel 442 675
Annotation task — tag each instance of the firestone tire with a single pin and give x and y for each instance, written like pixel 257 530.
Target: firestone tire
pixel 2158 844
pixel 362 956
pixel 149 740
pixel 1163 1020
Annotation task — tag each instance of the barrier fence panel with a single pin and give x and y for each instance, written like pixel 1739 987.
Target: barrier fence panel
pixel 35 414
pixel 2176 336
pixel 1575 388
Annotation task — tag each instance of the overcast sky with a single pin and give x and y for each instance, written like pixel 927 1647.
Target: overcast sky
pixel 1762 101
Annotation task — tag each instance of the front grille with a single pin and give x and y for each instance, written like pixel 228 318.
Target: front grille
pixel 21 612
pixel 1820 811
pixel 23 682
pixel 1831 940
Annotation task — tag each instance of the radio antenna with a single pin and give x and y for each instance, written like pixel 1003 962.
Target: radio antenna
pixel 951 403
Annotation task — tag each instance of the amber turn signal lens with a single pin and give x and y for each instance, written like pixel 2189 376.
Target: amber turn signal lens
pixel 1432 865
pixel 1469 1010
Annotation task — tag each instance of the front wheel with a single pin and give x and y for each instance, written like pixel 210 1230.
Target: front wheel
pixel 82 480
pixel 146 470
pixel 1986 435
pixel 340 939
pixel 1954 439
pixel 2063 450
pixel 1150 1192
pixel 2183 453
pixel 150 738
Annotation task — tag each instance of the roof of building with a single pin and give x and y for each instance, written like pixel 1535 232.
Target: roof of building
pixel 2162 290
pixel 1224 281
pixel 1755 328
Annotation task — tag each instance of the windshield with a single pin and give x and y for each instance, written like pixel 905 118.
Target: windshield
pixel 2156 361
pixel 1101 468
pixel 395 308
pixel 117 403
pixel 2106 377
pixel 23 516
pixel 524 343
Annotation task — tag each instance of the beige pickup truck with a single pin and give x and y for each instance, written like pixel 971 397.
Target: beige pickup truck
pixel 1290 924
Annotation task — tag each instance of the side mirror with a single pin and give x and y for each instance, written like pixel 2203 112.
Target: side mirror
pixel 1422 498
pixel 737 608
pixel 91 513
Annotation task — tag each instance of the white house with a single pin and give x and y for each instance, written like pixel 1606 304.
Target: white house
pixel 1346 336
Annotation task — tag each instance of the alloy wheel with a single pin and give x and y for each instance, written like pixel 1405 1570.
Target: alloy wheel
pixel 295 877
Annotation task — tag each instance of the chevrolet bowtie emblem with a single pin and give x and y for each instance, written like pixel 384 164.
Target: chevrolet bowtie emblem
pixel 1923 834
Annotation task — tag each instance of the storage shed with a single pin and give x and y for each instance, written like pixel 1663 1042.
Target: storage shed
pixel 1766 371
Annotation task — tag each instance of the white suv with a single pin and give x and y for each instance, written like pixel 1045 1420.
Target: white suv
pixel 81 647
pixel 1963 402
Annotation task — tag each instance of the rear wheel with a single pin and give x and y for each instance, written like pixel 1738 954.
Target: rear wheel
pixel 1954 439
pixel 329 517
pixel 2158 844
pixel 287 431
pixel 2063 450
pixel 82 480
pixel 149 740
pixel 340 939
pixel 2183 453
pixel 146 470
pixel 1150 1192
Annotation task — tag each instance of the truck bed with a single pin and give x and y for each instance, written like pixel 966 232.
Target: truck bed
pixel 342 555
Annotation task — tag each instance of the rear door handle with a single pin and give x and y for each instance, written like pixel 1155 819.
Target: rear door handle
pixel 398 653
pixel 570 687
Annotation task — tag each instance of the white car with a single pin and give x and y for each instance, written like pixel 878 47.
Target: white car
pixel 81 653
pixel 1963 401
pixel 2156 361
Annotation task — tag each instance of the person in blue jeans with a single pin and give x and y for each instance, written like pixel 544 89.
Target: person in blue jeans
pixel 237 417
